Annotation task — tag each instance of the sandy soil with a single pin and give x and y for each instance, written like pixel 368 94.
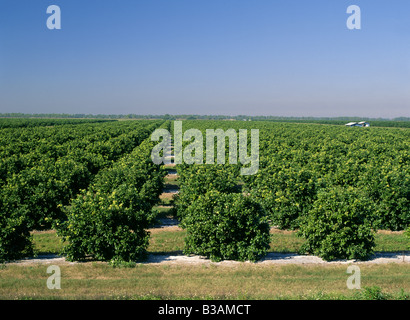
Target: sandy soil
pixel 270 258
pixel 281 258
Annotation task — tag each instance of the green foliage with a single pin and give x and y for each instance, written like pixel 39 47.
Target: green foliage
pixel 44 164
pixel 45 188
pixel 338 226
pixel 287 195
pixel 30 122
pixel 196 180
pixel 42 168
pixel 105 226
pixel 367 170
pixel 373 293
pixel 15 238
pixel 226 226
pixel 122 264
pixel 109 220
pixel 297 161
pixel 389 188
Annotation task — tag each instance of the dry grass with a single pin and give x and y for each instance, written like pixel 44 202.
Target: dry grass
pixel 244 281
pixel 166 195
pixel 99 280
pixel 155 231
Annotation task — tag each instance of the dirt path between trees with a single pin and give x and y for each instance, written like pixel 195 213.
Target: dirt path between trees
pixel 270 258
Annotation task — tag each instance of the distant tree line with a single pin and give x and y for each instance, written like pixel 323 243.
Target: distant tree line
pixel 188 117
pixel 403 122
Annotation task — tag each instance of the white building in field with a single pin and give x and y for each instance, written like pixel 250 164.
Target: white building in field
pixel 358 124
pixel 364 124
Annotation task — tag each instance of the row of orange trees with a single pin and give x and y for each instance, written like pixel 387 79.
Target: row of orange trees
pixel 96 184
pixel 333 184
pixel 43 167
pixel 299 161
pixel 108 220
pixel 221 220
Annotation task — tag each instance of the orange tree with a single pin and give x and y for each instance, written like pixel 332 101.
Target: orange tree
pixel 338 226
pixel 108 221
pixel 226 226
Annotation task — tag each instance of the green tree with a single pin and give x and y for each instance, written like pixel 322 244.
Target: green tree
pixel 106 226
pixel 226 226
pixel 196 180
pixel 338 226
pixel 109 219
pixel 15 238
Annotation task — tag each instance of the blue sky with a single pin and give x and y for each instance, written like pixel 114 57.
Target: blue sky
pixel 254 57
